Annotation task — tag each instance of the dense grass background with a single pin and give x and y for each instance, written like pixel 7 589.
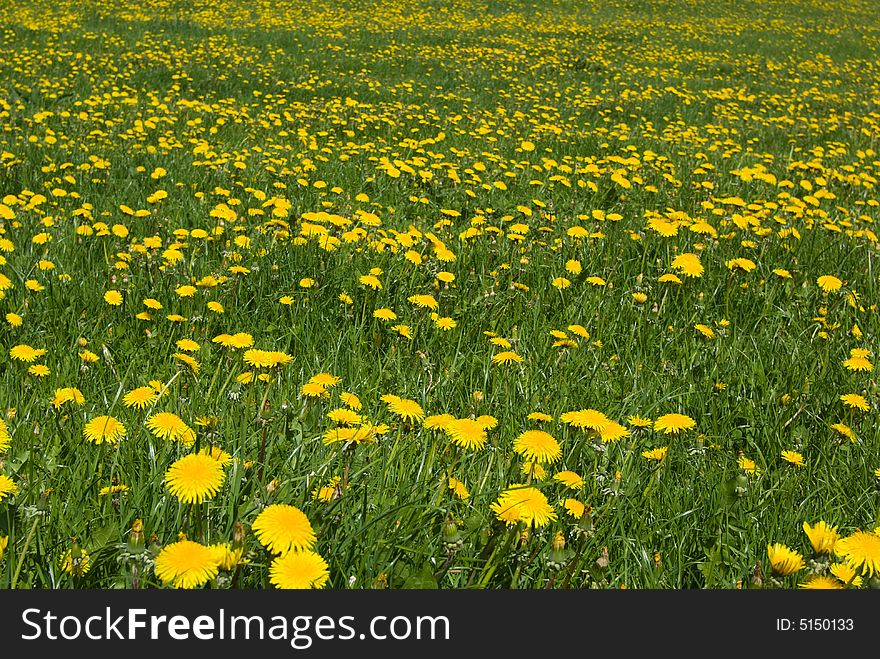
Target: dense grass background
pixel 308 97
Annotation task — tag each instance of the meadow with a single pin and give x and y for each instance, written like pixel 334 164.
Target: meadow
pixel 435 293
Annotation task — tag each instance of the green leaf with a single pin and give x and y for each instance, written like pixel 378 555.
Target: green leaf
pixel 422 580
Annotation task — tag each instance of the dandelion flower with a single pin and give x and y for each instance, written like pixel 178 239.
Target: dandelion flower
pixel 384 314
pixel 299 569
pixel 570 479
pixel 672 424
pixel 507 357
pixel 67 395
pixel 188 564
pixel 325 379
pixel 235 341
pixel 167 425
pixel 76 562
pixel 657 454
pixel 846 574
pixel 458 488
pixel 103 429
pixel 438 421
pixel 858 362
pixel 445 324
pixel 748 465
pixel 350 400
pixel 588 419
pixel 372 281
pixel 537 446
pixel 408 410
pixel 466 433
pixel 188 360
pixel 829 283
pixel 574 508
pixel 612 432
pixel 535 469
pixel 822 537
pixel 140 398
pixel 113 298
pixel 688 264
pixel 188 345
pixel 5 437
pixel 862 551
pixel 195 478
pixel 637 421
pixel 523 504
pixel 266 358
pixel 25 353
pixel 7 487
pixel 281 528
pixel 821 582
pixel 844 430
pixel 856 402
pixel 424 301
pixel 783 560
pixel 793 457
pixel 705 330
pixel 314 390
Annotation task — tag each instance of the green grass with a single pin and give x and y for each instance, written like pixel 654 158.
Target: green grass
pixel 303 92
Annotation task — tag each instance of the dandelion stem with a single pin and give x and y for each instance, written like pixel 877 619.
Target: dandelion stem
pixel 27 543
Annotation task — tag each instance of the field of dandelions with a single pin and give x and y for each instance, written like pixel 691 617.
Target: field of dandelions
pixel 435 293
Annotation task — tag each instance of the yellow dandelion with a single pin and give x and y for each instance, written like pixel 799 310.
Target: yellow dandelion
pixel 26 353
pixel 507 357
pixel 7 487
pixel 829 283
pixel 299 569
pixel 862 551
pixel 103 429
pixel 140 398
pixel 822 537
pixel 281 528
pixel 570 479
pixel 523 504
pixel 188 564
pixel 672 424
pixel 408 410
pixel 537 446
pixel 466 433
pixel 167 425
pixel 195 478
pixel 784 560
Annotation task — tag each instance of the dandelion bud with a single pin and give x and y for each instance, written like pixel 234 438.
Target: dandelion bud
pixel 558 541
pixel 478 396
pixel 558 556
pixel 136 535
pixel 238 535
pixel 585 522
pixel 380 582
pixel 452 538
pixel 272 487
